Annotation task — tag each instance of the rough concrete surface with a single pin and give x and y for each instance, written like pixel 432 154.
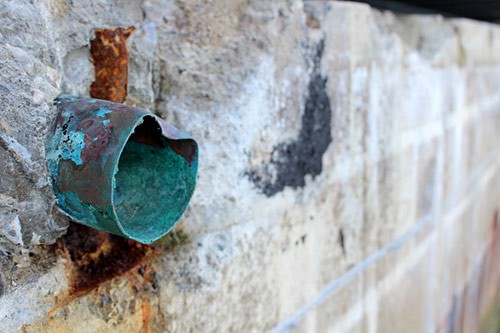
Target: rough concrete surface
pixel 349 168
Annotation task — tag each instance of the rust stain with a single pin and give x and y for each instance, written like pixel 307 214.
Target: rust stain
pixel 312 22
pixel 110 54
pixel 96 257
pixel 143 281
pixel 146 316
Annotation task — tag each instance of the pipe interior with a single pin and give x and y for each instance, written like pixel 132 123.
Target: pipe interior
pixel 153 184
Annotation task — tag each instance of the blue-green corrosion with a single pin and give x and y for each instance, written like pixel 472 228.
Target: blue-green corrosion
pixel 169 187
pixel 120 169
pixel 71 150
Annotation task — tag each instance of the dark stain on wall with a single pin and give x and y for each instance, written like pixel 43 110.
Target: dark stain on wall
pixel 342 241
pixel 1 286
pixel 292 161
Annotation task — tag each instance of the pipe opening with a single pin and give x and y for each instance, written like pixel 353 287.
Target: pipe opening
pixel 153 183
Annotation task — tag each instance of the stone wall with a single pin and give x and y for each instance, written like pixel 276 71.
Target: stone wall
pixel 349 169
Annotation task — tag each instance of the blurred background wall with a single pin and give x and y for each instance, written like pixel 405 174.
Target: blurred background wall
pixel 349 169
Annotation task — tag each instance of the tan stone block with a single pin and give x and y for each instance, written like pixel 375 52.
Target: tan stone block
pixel 341 311
pixel 475 41
pixel 428 182
pixel 431 36
pixel 406 299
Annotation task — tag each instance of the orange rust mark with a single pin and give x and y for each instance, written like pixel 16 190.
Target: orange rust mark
pixel 312 22
pixel 142 281
pixel 140 275
pixel 110 54
pixel 146 316
pixel 96 257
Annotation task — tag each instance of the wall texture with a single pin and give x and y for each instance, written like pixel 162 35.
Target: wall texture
pixel 349 169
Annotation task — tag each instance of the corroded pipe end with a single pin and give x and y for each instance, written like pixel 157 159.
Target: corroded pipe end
pixel 120 169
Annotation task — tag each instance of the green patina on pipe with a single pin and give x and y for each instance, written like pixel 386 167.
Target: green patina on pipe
pixel 120 169
pixel 133 203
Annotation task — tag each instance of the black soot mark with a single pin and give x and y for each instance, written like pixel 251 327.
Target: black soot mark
pixel 294 160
